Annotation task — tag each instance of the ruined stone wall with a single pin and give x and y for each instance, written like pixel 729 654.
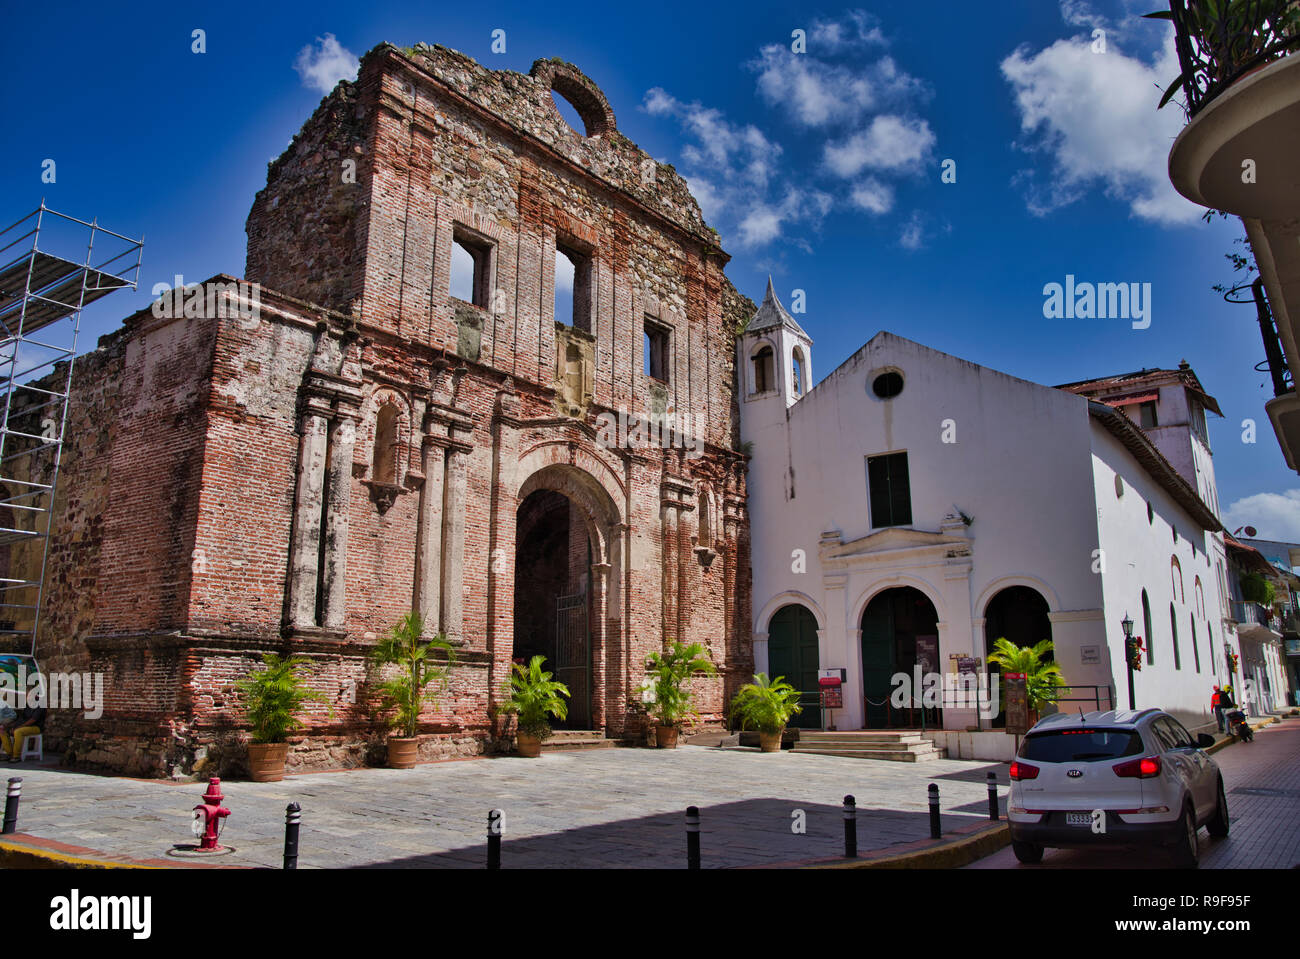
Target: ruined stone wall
pixel 303 228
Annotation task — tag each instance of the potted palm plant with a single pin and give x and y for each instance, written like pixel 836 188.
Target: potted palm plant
pixel 534 697
pixel 1044 680
pixel 766 705
pixel 273 697
pixel 408 691
pixel 668 676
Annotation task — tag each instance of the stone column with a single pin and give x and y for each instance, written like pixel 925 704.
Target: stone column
pixel 668 541
pixel 685 556
pixel 600 633
pixel 453 544
pixel 304 559
pixel 342 439
pixel 428 549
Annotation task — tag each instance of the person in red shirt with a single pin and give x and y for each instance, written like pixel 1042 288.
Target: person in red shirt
pixel 1216 706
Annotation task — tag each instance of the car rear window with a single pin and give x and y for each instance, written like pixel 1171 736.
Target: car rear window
pixel 1080 745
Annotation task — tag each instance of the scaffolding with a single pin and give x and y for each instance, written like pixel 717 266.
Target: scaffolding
pixel 45 283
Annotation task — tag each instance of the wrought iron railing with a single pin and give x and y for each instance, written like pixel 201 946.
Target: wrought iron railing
pixel 1218 41
pixel 1250 614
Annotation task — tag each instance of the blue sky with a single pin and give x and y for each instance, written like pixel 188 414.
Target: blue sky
pixel 822 168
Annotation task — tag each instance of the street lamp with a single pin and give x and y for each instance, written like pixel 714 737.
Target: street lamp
pixel 1128 655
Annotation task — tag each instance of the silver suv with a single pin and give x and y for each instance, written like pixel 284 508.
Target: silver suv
pixel 1122 777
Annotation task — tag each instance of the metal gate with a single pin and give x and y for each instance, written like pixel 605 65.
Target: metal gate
pixel 573 656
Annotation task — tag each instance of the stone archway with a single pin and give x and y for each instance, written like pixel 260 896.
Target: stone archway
pixel 900 631
pixel 1018 614
pixel 567 528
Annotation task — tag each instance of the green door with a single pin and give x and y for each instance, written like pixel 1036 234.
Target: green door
pixel 878 660
pixel 792 653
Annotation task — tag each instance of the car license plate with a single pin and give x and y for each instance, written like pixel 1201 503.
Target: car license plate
pixel 1078 819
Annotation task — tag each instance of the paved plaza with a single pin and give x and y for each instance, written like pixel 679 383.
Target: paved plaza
pixel 603 808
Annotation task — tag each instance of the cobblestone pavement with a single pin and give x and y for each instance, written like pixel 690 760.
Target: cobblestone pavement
pixel 1262 782
pixel 601 808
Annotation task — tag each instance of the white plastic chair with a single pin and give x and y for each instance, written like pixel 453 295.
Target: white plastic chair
pixel 33 746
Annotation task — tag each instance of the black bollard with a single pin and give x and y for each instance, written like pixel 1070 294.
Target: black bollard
pixel 993 797
pixel 494 839
pixel 692 837
pixel 292 821
pixel 850 827
pixel 935 832
pixel 11 804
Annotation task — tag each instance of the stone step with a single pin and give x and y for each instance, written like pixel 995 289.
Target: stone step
pixel 562 740
pixel 883 738
pixel 914 754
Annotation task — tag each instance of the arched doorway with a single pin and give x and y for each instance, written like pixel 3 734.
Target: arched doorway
pixel 553 557
pixel 899 630
pixel 1018 614
pixel 792 653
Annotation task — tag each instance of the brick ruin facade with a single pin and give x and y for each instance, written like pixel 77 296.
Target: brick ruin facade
pixel 367 444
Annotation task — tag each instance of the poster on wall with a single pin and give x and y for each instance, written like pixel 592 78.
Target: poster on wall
pixel 927 653
pixel 1016 694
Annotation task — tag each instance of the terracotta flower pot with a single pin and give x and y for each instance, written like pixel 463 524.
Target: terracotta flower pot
pixel 266 761
pixel 402 752
pixel 530 747
pixel 666 737
pixel 769 742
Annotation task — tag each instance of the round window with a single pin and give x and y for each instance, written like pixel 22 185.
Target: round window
pixel 887 385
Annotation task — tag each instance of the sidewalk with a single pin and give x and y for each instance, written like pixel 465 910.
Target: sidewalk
pixel 605 808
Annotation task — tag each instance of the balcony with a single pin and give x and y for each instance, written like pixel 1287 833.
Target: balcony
pixel 1251 616
pixel 1242 92
pixel 1241 83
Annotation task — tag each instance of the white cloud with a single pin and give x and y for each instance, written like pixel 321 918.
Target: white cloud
pixel 1094 116
pixel 816 93
pixel 1274 515
pixel 913 235
pixel 321 68
pixel 873 196
pixel 890 143
pixel 846 85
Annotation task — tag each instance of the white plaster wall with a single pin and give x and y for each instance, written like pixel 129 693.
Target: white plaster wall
pixel 1021 467
pixel 1138 555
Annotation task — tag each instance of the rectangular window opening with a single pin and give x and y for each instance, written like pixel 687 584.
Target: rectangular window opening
pixel 572 287
pixel 656 344
pixel 890 490
pixel 471 269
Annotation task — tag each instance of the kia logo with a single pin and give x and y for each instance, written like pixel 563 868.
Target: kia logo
pixel 1075 773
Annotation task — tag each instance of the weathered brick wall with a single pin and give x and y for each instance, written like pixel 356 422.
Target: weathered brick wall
pixel 197 448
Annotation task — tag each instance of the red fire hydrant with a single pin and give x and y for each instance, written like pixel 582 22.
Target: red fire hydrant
pixel 208 815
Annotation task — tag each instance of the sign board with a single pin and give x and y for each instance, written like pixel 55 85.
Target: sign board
pixel 834 672
pixel 1090 655
pixel 832 695
pixel 927 653
pixel 967 664
pixel 1016 696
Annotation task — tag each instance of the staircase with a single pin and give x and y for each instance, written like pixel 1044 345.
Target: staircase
pixel 899 747
pixel 566 740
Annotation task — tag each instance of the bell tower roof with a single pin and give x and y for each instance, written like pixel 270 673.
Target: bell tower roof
pixel 773 314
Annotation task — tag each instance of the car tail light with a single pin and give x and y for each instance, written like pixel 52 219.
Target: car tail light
pixel 1148 767
pixel 1021 770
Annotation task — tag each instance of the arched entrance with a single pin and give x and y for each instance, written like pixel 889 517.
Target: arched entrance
pixel 1018 614
pixel 899 630
pixel 565 522
pixel 792 653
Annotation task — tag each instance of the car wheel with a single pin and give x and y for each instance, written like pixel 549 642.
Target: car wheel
pixel 1186 846
pixel 1027 852
pixel 1218 824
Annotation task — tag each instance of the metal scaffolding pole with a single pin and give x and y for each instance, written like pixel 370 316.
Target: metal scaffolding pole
pixel 44 287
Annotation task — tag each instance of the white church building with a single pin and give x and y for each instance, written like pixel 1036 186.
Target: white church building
pixel 914 507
